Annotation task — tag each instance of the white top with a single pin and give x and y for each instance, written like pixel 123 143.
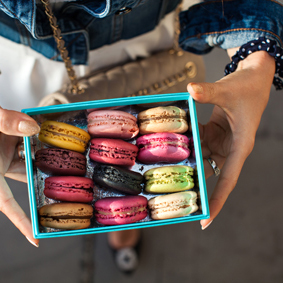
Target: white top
pixel 27 76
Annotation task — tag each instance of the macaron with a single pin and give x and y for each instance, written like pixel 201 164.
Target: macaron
pixel 169 179
pixel 120 210
pixel 118 178
pixel 63 135
pixel 163 119
pixel 173 205
pixel 112 124
pixel 163 147
pixel 113 151
pixel 69 188
pixel 57 161
pixel 68 216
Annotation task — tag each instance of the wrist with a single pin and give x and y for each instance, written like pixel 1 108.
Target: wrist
pixel 260 60
pixel 262 55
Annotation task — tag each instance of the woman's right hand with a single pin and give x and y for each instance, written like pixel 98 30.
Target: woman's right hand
pixel 228 138
pixel 13 126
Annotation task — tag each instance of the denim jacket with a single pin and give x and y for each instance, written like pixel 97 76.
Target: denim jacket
pixel 230 23
pixel 89 24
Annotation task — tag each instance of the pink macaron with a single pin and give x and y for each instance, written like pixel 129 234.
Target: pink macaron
pixel 112 124
pixel 113 151
pixel 69 188
pixel 120 210
pixel 163 147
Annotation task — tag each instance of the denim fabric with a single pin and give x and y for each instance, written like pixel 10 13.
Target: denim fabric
pixel 230 23
pixel 88 24
pixel 85 24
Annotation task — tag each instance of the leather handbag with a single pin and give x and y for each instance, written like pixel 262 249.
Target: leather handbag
pixel 167 71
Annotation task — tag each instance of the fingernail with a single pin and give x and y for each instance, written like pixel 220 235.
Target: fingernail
pixel 28 128
pixel 202 228
pixel 33 243
pixel 196 88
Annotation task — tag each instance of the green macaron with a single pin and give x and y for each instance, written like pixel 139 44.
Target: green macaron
pixel 169 179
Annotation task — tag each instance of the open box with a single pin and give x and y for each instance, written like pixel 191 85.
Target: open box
pixel 76 114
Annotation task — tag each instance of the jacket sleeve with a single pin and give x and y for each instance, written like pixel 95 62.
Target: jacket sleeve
pixel 229 23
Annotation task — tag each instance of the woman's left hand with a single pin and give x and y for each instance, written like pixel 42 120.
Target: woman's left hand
pixel 13 126
pixel 228 138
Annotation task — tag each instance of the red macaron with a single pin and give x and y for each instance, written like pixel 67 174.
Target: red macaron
pixel 69 188
pixel 113 151
pixel 120 210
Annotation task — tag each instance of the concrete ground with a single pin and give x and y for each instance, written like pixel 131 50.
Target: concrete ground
pixel 243 244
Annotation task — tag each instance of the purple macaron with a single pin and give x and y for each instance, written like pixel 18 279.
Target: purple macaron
pixel 56 161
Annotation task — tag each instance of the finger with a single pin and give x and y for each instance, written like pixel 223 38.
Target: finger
pixel 201 131
pixel 225 185
pixel 208 169
pixel 206 153
pixel 17 172
pixel 212 93
pixel 17 123
pixel 17 168
pixel 14 212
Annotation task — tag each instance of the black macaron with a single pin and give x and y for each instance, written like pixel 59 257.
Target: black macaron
pixel 118 178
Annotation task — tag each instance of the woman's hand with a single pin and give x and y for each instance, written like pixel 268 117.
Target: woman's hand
pixel 228 138
pixel 13 126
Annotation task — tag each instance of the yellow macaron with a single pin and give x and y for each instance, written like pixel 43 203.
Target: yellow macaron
pixel 64 136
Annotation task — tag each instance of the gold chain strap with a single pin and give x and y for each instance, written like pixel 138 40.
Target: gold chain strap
pixel 189 71
pixel 75 88
pixel 177 30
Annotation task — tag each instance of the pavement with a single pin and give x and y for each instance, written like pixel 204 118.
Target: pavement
pixel 243 244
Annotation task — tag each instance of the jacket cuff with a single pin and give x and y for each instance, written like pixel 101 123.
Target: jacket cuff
pixel 229 24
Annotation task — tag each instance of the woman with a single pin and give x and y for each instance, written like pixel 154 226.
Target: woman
pixel 94 31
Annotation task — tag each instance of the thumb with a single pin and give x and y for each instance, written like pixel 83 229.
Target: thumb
pixel 17 123
pixel 206 92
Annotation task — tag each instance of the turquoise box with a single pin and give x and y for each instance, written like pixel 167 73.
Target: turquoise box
pixel 76 114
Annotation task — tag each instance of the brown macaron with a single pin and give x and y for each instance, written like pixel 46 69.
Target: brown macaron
pixel 69 216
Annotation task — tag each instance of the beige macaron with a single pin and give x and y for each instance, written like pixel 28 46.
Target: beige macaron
pixel 163 119
pixel 173 205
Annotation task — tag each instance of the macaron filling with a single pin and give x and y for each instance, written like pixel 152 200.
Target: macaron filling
pixel 68 189
pixel 168 209
pixel 162 143
pixel 61 217
pixel 168 180
pixel 122 213
pixel 119 153
pixel 78 185
pixel 60 160
pixel 163 118
pixel 109 120
pixel 59 136
pixel 173 203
